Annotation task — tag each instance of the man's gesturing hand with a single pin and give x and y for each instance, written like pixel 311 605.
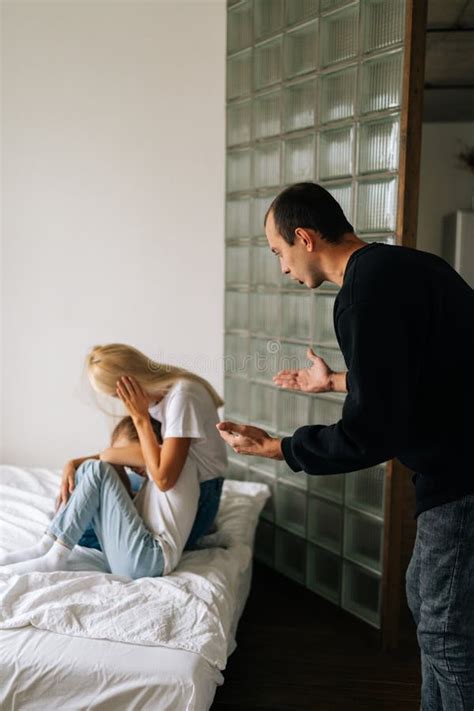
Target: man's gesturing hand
pixel 315 379
pixel 245 439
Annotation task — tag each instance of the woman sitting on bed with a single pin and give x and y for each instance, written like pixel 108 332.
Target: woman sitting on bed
pixel 144 537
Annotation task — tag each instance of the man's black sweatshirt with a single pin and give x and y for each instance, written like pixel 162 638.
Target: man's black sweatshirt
pixel 404 320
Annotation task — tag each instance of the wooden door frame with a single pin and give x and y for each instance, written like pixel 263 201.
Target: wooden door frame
pixel 400 525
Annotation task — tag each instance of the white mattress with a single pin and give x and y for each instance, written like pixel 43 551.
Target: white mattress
pixel 45 671
pixel 41 669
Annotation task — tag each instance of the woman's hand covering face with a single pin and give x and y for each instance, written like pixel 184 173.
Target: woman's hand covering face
pixel 133 396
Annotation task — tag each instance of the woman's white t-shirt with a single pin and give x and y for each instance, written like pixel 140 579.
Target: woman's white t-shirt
pixel 169 515
pixel 187 410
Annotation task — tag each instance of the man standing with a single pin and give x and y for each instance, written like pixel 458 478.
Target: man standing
pixel 404 321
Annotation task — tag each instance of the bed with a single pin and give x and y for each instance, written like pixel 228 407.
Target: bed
pixel 86 639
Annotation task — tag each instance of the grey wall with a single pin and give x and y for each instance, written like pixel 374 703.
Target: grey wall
pixel 445 186
pixel 113 196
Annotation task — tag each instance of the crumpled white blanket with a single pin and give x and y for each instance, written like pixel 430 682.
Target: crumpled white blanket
pixel 192 608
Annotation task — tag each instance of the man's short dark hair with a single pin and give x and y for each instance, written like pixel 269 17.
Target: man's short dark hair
pixel 310 206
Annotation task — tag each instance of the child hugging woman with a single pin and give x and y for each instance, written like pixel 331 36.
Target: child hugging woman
pixel 183 472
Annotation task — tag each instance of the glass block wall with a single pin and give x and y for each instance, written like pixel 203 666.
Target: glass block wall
pixel 313 93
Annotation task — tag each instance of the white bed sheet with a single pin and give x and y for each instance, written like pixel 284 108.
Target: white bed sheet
pixel 45 671
pixel 42 670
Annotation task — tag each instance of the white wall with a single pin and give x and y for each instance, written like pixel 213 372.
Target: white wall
pixel 444 185
pixel 113 196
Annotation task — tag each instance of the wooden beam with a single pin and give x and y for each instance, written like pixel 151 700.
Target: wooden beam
pixel 400 531
pixel 411 122
pixel 399 504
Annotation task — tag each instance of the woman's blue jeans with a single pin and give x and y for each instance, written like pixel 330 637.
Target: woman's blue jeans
pixel 100 498
pixel 208 505
pixel 440 594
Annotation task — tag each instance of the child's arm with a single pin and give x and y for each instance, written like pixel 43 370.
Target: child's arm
pixel 128 456
pixel 77 462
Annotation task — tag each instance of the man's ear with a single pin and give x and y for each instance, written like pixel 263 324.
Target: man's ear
pixel 307 237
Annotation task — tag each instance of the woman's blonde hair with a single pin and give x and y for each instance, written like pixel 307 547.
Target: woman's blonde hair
pixel 106 364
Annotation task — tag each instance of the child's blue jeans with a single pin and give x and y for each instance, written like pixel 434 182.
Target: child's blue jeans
pixel 440 593
pixel 208 505
pixel 101 498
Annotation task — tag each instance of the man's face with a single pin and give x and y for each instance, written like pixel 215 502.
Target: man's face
pixel 299 261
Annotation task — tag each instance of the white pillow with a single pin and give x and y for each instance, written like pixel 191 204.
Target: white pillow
pixel 239 509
